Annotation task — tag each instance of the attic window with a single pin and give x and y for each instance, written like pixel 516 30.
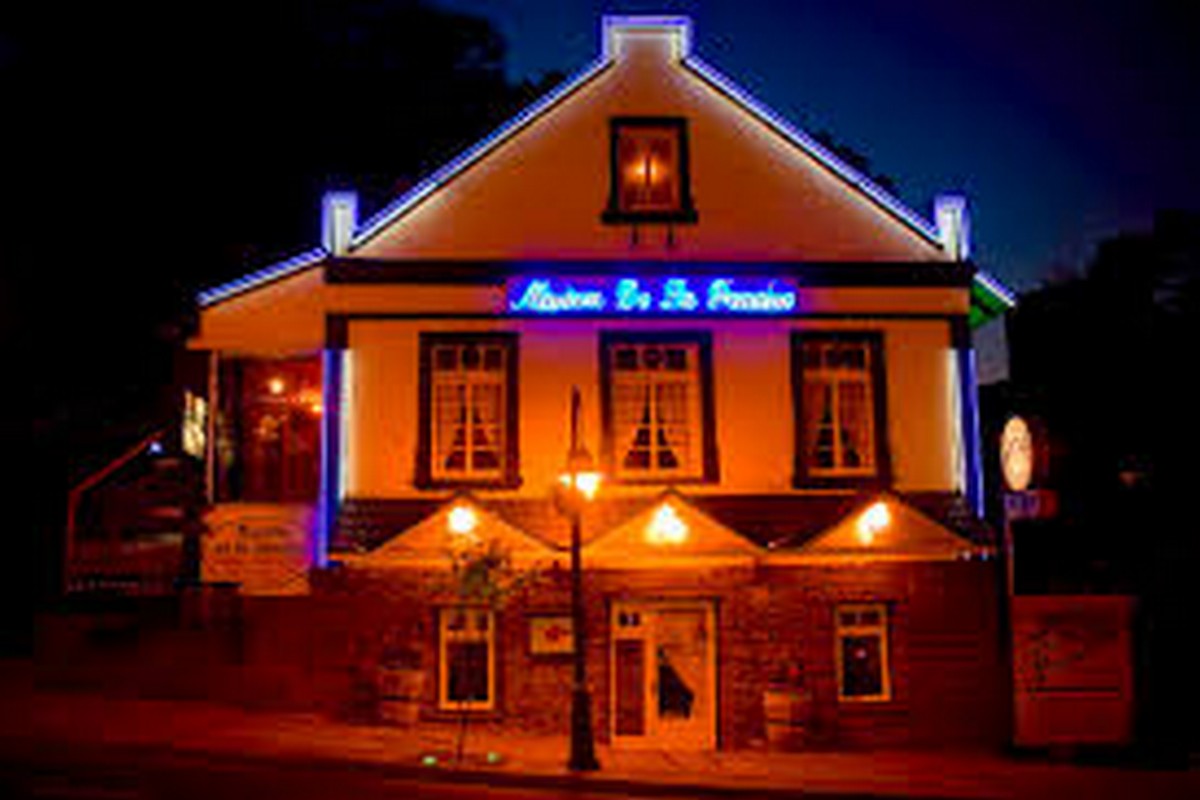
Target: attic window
pixel 649 171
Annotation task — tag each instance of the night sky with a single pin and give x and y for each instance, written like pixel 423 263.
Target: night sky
pixel 1064 122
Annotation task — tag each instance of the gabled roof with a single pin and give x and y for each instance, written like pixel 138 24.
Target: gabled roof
pixel 768 523
pixel 990 296
pixel 670 532
pixel 884 527
pixel 429 542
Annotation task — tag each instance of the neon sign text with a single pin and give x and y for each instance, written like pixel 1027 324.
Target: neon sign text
pixel 669 296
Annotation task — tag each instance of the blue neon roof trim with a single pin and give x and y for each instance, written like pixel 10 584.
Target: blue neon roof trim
pixel 280 269
pixel 813 148
pixel 426 187
pixel 379 221
pixel 1001 292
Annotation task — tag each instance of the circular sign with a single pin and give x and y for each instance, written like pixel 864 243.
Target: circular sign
pixel 1016 454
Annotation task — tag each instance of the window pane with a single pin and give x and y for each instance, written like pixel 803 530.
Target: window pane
pixel 818 423
pixel 467 680
pixel 450 433
pixel 486 413
pixel 493 359
pixel 855 426
pixel 647 169
pixel 445 358
pixel 862 666
pixel 671 406
pixel 626 358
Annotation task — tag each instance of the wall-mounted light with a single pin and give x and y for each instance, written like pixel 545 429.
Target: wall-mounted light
pixel 666 527
pixel 462 520
pixel 873 521
pixel 275 386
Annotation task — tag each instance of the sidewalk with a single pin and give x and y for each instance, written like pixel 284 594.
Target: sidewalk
pixel 202 728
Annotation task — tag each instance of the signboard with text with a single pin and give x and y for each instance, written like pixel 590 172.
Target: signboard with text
pixel 676 295
pixel 262 548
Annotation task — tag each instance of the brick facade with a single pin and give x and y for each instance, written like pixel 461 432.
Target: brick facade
pixel 944 644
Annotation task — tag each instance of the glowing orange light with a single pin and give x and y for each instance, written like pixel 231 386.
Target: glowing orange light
pixel 275 386
pixel 586 483
pixel 462 520
pixel 873 521
pixel 666 527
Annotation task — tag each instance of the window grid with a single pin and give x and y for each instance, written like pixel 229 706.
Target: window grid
pixel 467 646
pixel 861 652
pixel 468 415
pixel 839 408
pixel 656 399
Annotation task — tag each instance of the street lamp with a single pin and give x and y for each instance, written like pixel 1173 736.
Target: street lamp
pixel 578 485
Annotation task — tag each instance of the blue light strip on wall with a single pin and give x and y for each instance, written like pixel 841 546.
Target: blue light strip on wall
pixel 331 428
pixel 973 461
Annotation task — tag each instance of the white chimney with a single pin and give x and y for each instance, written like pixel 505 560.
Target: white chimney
pixel 669 35
pixel 953 225
pixel 339 219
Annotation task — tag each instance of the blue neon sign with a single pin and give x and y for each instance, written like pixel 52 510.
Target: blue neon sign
pixel 674 295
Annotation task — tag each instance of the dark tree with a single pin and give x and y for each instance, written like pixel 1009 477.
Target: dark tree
pixel 1108 360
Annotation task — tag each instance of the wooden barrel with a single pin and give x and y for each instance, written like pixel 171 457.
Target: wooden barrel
pixel 400 690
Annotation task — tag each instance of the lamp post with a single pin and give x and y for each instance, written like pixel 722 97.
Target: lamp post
pixel 578 485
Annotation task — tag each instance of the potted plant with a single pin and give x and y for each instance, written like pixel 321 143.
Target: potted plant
pixel 787 706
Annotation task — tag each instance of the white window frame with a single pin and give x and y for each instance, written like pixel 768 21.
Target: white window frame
pixel 844 630
pixel 691 467
pixel 441 379
pixel 470 633
pixel 835 378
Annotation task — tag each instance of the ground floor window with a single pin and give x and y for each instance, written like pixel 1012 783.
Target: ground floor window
pixel 467 659
pixel 862 652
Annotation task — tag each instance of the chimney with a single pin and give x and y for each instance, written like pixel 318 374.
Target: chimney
pixel 671 36
pixel 953 225
pixel 339 219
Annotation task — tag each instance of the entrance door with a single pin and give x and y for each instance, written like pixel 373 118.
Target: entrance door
pixel 664 675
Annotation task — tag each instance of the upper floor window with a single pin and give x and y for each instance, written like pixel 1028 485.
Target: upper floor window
pixel 657 406
pixel 650 178
pixel 840 421
pixel 468 410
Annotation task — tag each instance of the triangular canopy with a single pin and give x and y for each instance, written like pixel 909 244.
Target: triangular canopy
pixel 885 528
pixel 460 522
pixel 670 532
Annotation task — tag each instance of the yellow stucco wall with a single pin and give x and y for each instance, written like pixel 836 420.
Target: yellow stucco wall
pixel 753 398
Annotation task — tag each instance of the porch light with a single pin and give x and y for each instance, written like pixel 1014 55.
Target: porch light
pixel 586 483
pixel 462 520
pixel 873 521
pixel 666 527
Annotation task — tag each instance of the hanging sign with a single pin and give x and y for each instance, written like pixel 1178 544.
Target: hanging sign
pixel 682 296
